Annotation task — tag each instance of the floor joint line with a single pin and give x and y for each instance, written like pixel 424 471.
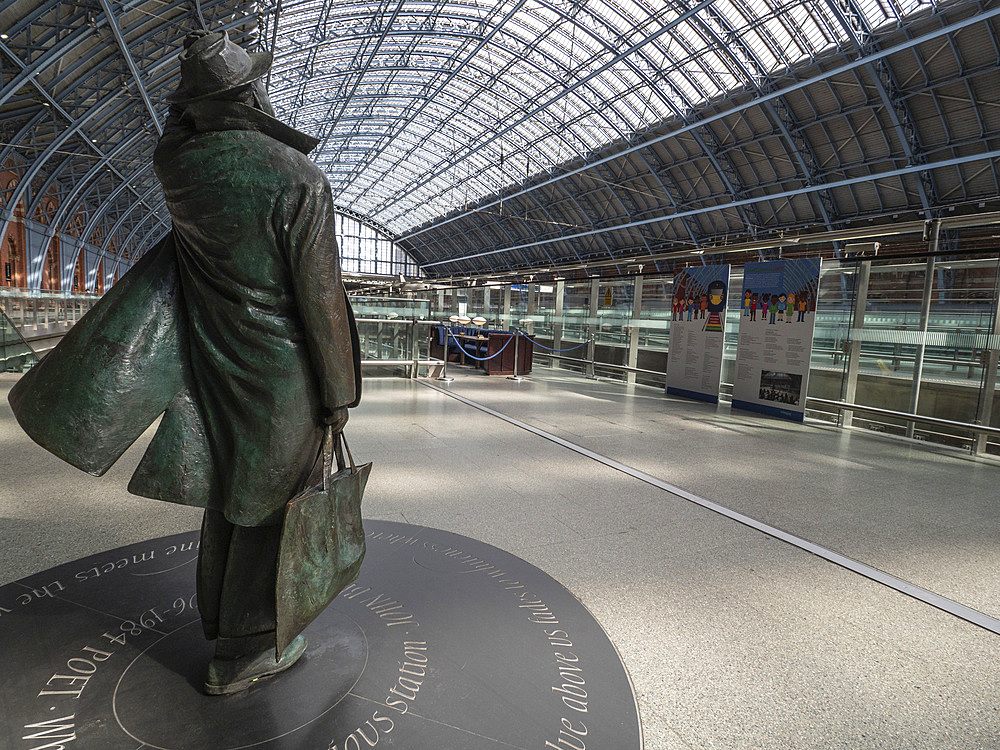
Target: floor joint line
pixel 926 596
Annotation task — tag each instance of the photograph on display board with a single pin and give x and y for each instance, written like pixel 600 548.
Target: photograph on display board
pixel 780 387
pixel 778 306
pixel 697 331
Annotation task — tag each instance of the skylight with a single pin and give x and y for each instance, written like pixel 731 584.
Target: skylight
pixel 425 106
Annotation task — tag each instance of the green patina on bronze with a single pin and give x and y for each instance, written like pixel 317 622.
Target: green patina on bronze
pixel 322 546
pixel 113 373
pixel 236 328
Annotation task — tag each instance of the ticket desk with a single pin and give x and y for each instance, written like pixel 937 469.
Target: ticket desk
pixel 467 344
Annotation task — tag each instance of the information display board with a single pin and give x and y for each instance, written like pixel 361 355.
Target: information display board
pixel 777 317
pixel 697 332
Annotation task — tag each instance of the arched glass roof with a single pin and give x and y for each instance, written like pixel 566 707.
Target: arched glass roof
pixel 503 135
pixel 424 106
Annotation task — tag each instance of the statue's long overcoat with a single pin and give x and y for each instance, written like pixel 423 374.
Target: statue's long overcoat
pixel 237 325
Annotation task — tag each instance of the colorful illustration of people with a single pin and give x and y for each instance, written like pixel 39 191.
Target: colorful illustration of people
pixel 777 308
pixel 694 301
pixel 715 303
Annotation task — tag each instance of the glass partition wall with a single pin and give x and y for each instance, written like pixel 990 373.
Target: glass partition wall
pixel 895 338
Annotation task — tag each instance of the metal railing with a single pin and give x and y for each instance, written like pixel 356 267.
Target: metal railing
pixel 844 406
pixel 396 342
pixel 814 404
pixel 44 311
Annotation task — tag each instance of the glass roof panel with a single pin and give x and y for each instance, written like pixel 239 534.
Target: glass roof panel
pixel 417 102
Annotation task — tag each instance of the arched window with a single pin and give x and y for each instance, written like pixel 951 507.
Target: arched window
pixel 367 250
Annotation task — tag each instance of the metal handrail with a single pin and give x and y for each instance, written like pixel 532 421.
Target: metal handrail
pixel 419 362
pixel 839 405
pixel 598 363
pixel 906 416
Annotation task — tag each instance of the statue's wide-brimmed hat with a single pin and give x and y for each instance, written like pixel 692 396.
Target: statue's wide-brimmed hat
pixel 212 64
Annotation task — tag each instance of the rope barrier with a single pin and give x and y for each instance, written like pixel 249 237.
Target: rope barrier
pixel 473 356
pixel 557 351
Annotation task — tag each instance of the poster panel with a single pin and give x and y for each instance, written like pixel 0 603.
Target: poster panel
pixel 777 317
pixel 697 332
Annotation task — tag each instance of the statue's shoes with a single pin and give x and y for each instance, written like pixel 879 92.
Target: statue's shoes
pixel 227 676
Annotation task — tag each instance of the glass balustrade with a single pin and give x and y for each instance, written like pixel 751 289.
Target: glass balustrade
pixel 915 338
pixel 911 337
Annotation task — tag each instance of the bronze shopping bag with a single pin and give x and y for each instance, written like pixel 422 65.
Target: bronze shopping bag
pixel 322 543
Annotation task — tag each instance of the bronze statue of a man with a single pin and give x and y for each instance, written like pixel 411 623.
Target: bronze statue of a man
pixel 237 326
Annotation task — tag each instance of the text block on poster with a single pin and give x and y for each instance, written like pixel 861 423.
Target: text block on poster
pixel 777 317
pixel 697 332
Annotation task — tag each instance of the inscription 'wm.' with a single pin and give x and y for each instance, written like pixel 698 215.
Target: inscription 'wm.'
pixel 56 733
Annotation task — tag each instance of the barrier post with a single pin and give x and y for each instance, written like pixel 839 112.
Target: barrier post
pixel 592 372
pixel 444 372
pixel 415 349
pixel 515 376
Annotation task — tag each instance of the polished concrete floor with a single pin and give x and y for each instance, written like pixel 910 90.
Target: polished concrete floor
pixel 733 639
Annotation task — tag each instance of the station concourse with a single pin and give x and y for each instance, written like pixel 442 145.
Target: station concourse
pixel 733 486
pixel 732 637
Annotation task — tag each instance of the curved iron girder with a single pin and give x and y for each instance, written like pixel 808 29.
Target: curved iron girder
pixel 462 111
pixel 856 26
pixel 666 191
pixel 30 128
pixel 30 71
pixel 333 118
pixel 573 195
pixel 458 112
pixel 77 124
pixel 550 132
pixel 106 206
pixel 73 128
pixel 102 252
pixel 133 69
pixel 725 175
pixel 126 215
pixel 627 202
pixel 442 165
pixel 56 173
pixel 124 244
pixel 945 30
pixel 35 209
pixel 320 23
pixel 83 186
pixel 119 222
pixel 778 110
pixel 546 209
pixel 441 87
pixel 55 146
pixel 954 161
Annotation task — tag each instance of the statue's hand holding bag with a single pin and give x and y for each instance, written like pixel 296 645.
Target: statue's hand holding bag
pixel 322 541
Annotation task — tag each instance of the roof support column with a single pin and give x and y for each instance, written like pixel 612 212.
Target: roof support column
pixel 557 322
pixel 985 414
pixel 862 275
pixel 925 313
pixel 591 328
pixel 633 329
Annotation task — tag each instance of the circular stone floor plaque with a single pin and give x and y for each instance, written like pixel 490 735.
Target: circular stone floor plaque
pixel 443 643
